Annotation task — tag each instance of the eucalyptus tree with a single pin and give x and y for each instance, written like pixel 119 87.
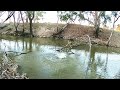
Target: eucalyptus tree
pixel 31 15
pixel 95 18
pixel 26 16
pixel 21 14
pixel 116 16
pixel 16 23
pixel 38 16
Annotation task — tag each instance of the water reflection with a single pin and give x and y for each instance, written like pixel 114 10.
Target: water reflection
pixel 44 61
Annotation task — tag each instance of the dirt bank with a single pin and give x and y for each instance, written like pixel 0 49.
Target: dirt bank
pixel 79 32
pixel 71 31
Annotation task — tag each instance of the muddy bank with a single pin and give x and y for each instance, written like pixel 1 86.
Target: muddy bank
pixel 71 31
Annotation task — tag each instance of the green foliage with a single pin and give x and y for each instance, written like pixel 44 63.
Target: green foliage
pixel 38 15
pixel 106 18
pixel 96 18
pixel 68 15
pixel 114 13
pixel 30 14
pixel 81 16
pixel 85 15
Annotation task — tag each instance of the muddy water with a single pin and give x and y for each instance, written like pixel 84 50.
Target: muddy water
pixel 39 58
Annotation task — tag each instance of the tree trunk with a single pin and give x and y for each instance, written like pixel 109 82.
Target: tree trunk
pixel 111 33
pixel 31 32
pixel 97 28
pixel 97 31
pixel 31 17
pixel 97 23
pixel 16 31
pixel 23 22
pixel 57 21
pixel 26 19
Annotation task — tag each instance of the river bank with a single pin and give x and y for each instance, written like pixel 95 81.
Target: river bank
pixel 70 31
pixel 9 69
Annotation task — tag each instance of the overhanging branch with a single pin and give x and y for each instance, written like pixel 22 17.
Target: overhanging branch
pixel 11 14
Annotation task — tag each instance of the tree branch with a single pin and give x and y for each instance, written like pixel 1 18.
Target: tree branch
pixel 89 20
pixel 117 19
pixel 11 13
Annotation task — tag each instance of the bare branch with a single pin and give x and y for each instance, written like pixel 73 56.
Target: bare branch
pixel 9 16
pixel 117 19
pixel 88 20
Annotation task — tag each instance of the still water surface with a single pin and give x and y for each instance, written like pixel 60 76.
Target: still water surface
pixel 43 61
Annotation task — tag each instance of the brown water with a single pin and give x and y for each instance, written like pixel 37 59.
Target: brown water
pixel 43 61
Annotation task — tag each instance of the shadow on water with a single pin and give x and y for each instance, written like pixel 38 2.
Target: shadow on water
pixel 39 58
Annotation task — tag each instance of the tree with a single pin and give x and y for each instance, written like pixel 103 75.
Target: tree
pixel 22 21
pixel 38 15
pixel 31 15
pixel 16 23
pixel 57 19
pixel 26 14
pixel 116 16
pixel 67 16
pixel 92 17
